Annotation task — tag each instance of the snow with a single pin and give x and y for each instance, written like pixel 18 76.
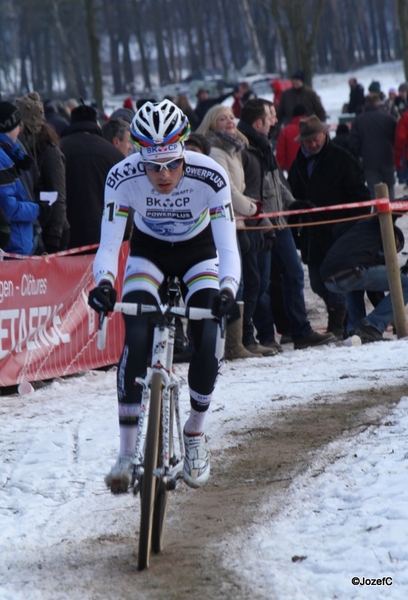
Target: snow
pixel 347 514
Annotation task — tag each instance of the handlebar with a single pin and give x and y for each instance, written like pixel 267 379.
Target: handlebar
pixel 130 308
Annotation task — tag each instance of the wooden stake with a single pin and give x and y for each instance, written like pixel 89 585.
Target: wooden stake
pixel 391 261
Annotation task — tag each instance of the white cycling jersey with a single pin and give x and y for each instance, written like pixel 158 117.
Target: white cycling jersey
pixel 202 197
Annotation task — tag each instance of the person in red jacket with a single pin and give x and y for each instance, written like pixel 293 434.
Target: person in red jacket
pixel 286 147
pixel 401 148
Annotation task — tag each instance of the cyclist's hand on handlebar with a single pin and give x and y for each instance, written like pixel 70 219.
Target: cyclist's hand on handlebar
pixel 225 305
pixel 103 297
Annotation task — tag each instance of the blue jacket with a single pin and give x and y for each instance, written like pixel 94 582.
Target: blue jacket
pixel 14 201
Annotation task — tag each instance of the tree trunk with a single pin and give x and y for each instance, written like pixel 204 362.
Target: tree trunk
pixel 252 36
pixel 403 20
pixel 140 40
pixel 94 48
pixel 71 86
pixel 114 47
pixel 164 75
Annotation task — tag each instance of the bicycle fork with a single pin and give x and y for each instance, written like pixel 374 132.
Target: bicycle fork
pixel 171 466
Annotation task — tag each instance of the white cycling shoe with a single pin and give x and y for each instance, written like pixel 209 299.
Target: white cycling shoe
pixel 120 477
pixel 196 469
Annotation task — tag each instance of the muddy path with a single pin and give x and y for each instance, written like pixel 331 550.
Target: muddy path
pixel 259 467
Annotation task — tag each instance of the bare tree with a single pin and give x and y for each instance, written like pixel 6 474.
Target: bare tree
pixel 290 17
pixel 403 20
pixel 94 49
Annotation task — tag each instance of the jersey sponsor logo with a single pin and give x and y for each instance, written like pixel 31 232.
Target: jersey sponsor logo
pixel 182 192
pixel 213 178
pixel 158 149
pixel 180 215
pixel 116 175
pixel 167 202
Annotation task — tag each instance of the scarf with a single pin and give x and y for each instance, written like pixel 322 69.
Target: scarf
pixel 230 138
pixel 261 142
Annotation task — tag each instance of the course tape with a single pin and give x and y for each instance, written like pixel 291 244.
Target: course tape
pixel 382 204
pixel 55 254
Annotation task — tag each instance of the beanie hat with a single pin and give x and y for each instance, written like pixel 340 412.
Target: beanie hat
pixel 9 117
pixel 84 113
pixel 123 113
pixel 375 87
pixel 127 103
pixel 299 74
pixel 403 87
pixel 31 110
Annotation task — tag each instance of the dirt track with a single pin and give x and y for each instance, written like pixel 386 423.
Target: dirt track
pixel 261 466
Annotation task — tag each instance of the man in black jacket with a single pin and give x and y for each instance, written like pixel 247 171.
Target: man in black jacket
pixel 372 138
pixel 325 175
pixel 89 159
pixel 204 102
pixel 355 263
pixel 263 181
pixel 356 100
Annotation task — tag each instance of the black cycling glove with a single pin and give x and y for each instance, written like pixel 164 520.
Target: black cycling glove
pixel 225 305
pixel 102 298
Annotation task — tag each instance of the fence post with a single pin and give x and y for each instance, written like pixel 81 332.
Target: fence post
pixel 391 260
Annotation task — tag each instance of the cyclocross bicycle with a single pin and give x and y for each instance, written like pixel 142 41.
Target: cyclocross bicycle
pixel 159 451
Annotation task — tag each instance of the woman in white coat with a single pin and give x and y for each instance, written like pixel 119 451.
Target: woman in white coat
pixel 227 144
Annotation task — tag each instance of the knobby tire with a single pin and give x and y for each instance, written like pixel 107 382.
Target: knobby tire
pixel 162 494
pixel 149 480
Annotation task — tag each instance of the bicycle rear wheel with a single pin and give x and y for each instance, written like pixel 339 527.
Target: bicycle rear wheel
pixel 148 488
pixel 162 493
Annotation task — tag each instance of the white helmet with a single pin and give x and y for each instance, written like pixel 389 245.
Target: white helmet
pixel 160 123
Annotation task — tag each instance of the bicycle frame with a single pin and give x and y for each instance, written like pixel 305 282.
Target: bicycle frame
pixel 162 361
pixel 155 471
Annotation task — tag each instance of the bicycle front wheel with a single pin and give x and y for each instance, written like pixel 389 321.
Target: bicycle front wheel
pixel 148 488
pixel 162 493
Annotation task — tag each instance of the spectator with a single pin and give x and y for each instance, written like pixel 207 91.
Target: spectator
pixel 204 102
pixel 117 132
pixel 128 103
pixel 18 209
pixel 286 147
pixel 389 103
pixel 401 101
pixel 342 137
pixel 53 118
pixel 325 175
pixel 372 139
pixel 356 99
pixel 243 93
pixel 227 144
pixel 263 180
pixel 123 113
pixel 4 227
pixel 374 91
pixel 401 148
pixel 70 104
pixel 355 263
pixel 88 160
pixel 197 142
pixel 183 103
pixel 299 93
pixel 141 101
pixel 44 145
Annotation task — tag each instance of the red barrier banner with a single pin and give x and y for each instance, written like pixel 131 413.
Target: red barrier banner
pixel 47 328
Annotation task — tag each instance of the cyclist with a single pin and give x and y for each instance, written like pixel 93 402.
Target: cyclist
pixel 183 226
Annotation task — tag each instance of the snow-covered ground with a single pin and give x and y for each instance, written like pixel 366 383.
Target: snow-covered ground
pixel 349 519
